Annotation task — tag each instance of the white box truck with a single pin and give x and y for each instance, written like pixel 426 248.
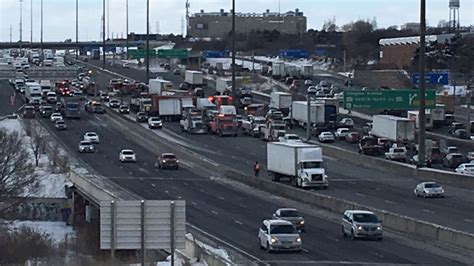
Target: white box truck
pixel 302 163
pixel 393 128
pixel 307 71
pixel 33 92
pixel 193 78
pixel 157 86
pixel 299 113
pixel 414 115
pixel 280 101
pixel 278 69
pixel 438 115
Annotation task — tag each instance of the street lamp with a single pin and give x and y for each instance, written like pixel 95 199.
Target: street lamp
pixel 77 29
pixel 103 34
pixel 234 92
pixel 126 18
pixel 21 24
pixel 310 92
pixel 421 93
pixel 147 40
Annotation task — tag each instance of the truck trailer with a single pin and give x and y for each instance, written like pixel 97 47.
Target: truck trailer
pixel 281 101
pixel 393 128
pixel 299 113
pixel 302 163
pixel 194 78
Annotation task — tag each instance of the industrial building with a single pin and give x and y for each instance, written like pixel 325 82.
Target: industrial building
pixel 219 24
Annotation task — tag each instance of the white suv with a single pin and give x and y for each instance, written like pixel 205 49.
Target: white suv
pixel 92 137
pixel 127 156
pixel 361 224
pixel 275 235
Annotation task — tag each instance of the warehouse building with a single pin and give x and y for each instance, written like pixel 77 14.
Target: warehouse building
pixel 219 24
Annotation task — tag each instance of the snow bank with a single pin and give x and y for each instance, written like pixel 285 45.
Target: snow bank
pixel 57 231
pixel 218 252
pixel 12 125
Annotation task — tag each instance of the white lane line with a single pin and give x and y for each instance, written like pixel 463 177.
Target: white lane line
pixel 377 254
pixel 222 198
pixel 238 222
pixel 237 147
pixel 428 211
pixel 216 213
pixel 352 182
pixel 233 157
pixel 469 220
pixel 145 164
pixel 194 203
pixel 179 197
pixel 305 250
pixel 130 173
pixel 141 179
pixel 390 202
pixel 153 185
pixel 202 191
pixel 167 192
pixel 185 183
pixel 98 118
pixel 360 195
pixel 243 205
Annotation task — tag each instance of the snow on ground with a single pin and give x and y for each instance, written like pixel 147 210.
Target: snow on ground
pixel 50 185
pixel 57 231
pixel 219 252
pixel 226 62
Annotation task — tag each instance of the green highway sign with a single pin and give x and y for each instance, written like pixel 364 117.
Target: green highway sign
pixel 396 99
pixel 140 53
pixel 173 53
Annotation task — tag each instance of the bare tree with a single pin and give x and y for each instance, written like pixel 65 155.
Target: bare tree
pixel 37 142
pixel 17 173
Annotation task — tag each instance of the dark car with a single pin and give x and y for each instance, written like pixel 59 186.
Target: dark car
pixel 29 112
pixel 453 160
pixel 167 67
pixel 104 96
pixel 124 109
pixel 183 86
pixel 168 160
pixel 60 125
pixel 176 72
pixel 291 215
pixel 141 117
pixel 45 111
pixel 353 137
pixel 114 103
pixel 455 126
pixel 461 134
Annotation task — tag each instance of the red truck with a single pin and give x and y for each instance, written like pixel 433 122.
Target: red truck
pixel 224 125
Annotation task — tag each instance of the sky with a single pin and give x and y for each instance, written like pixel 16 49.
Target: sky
pixel 167 16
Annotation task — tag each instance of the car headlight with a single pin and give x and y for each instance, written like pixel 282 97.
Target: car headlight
pixel 164 161
pixel 379 228
pixel 301 222
pixel 273 240
pixel 359 227
pixel 177 161
pixel 298 239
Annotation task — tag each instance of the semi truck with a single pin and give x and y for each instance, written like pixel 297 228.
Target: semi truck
pixel 194 78
pixel 33 92
pixel 302 163
pixel 192 122
pixel 272 131
pixel 299 113
pixel 414 115
pixel 393 128
pixel 71 107
pixel 280 101
pixel 224 125
pixel 157 86
pixel 169 108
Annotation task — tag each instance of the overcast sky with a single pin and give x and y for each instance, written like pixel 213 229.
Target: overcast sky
pixel 59 15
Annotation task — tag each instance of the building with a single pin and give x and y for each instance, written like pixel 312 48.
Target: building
pixel 412 26
pixel 219 24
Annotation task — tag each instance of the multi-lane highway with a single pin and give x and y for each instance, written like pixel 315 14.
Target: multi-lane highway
pixel 231 213
pixel 370 187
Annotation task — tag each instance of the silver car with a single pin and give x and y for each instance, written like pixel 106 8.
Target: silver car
pixel 429 189
pixel 361 224
pixel 279 235
pixel 291 215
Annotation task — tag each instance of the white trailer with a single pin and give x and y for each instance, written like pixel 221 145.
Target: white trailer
pixel 223 85
pixel 169 108
pixel 414 116
pixel 193 78
pixel 46 86
pixel 393 128
pixel 299 113
pixel 302 163
pixel 438 115
pixel 278 69
pixel 157 86
pixel 280 100
pixel 33 92
pixel 307 71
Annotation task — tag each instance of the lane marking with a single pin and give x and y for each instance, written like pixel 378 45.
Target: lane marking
pixel 428 211
pixel 238 222
pixel 390 202
pixel 194 203
pixel 222 198
pixel 233 157
pixel 360 195
pixel 153 185
pixel 216 213
pixel 243 205
pixel 305 250
pixel 185 183
pixel 469 220
pixel 351 182
pixel 202 191
pixel 167 192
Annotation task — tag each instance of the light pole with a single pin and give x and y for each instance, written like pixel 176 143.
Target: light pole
pixel 126 18
pixel 31 23
pixel 21 24
pixel 234 90
pixel 147 40
pixel 309 93
pixel 422 119
pixel 77 29
pixel 41 27
pixel 103 34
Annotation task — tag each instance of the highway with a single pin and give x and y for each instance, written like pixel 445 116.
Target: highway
pixel 348 181
pixel 229 212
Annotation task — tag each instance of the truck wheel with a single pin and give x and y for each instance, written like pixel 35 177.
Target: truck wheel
pixel 294 182
pixel 220 133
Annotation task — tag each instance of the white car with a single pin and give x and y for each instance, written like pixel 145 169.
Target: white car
pixel 127 156
pixel 276 234
pixel 55 117
pixel 51 97
pixel 429 189
pixel 326 136
pixel 465 169
pixel 125 65
pixel 347 122
pixel 290 138
pixel 155 122
pixel 341 132
pixel 92 137
pixel 86 146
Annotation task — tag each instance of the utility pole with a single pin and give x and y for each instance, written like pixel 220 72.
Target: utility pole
pixel 11 40
pixel 147 40
pixel 234 90
pixel 308 121
pixel 77 29
pixel 108 19
pixel 31 23
pixel 41 27
pixel 21 24
pixel 126 26
pixel 421 93
pixel 103 34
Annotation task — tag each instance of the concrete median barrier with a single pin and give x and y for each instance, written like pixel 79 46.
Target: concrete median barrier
pixel 390 220
pixel 445 177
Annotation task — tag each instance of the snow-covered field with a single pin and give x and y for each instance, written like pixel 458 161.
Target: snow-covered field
pixel 57 231
pixel 51 185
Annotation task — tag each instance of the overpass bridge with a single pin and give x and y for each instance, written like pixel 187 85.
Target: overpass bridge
pixel 83 46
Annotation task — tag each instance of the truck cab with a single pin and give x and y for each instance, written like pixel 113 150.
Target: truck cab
pixel 224 124
pixel 192 122
pixel 272 131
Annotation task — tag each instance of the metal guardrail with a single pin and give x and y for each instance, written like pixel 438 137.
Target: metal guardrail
pixel 41 73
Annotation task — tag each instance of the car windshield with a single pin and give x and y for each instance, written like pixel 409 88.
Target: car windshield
pixel 282 229
pixel 289 213
pixel 293 137
pixel 399 150
pixel 470 166
pixel 127 152
pixel 86 143
pixel 310 165
pixel 365 218
pixel 155 119
pixel 432 185
pixel 169 156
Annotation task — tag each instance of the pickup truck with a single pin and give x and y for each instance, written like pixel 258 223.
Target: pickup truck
pixel 396 154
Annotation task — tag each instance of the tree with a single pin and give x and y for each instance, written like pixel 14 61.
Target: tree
pixel 37 139
pixel 17 173
pixel 330 25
